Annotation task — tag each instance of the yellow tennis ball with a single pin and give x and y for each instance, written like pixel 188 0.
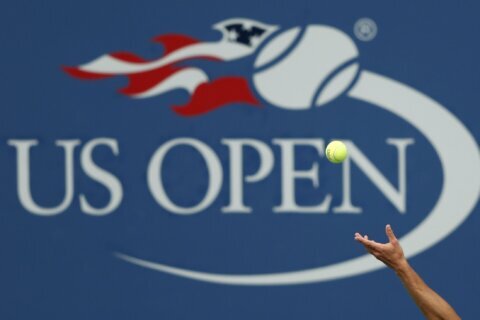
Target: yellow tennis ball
pixel 336 151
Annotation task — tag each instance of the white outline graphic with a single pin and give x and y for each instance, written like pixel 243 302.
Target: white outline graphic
pixel 458 197
pixel 460 191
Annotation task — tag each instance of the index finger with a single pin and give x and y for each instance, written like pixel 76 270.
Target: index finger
pixel 369 243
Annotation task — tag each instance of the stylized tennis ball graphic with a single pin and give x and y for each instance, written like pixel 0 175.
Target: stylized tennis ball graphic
pixel 299 70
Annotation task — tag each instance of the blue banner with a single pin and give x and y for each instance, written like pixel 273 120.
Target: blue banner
pixel 166 160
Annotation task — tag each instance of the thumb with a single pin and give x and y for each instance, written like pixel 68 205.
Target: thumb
pixel 390 234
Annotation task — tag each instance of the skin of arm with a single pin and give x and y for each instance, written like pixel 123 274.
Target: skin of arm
pixel 391 254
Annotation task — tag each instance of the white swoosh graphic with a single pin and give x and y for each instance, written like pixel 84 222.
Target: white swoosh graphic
pixel 460 190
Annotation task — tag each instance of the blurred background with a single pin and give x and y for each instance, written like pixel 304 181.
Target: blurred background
pixel 239 184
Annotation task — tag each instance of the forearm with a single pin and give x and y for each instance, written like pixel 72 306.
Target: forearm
pixel 430 303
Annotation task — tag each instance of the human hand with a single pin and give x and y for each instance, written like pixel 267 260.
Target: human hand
pixel 390 253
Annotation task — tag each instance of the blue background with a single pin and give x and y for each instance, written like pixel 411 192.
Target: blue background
pixel 63 267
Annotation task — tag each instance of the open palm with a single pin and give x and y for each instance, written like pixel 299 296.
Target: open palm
pixel 390 253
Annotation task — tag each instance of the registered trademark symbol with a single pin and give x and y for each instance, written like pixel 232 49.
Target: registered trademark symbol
pixel 365 29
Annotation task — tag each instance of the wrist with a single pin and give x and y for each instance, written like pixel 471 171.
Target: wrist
pixel 401 267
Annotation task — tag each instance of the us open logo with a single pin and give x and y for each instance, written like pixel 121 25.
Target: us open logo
pixel 297 70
